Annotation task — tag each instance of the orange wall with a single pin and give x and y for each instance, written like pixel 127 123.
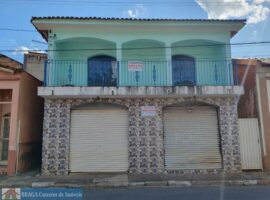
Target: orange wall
pixel 26 121
pixel 30 120
pixel 30 111
pixel 12 82
pixel 247 106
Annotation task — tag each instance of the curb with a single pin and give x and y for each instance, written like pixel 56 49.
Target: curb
pixel 155 183
pixel 173 183
pixel 225 183
pixel 42 184
pixel 121 184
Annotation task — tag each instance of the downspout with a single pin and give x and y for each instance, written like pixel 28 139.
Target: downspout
pixel 17 146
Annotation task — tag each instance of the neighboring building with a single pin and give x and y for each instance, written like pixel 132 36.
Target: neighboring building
pixel 263 91
pixel 34 64
pixel 139 95
pixel 251 140
pixel 21 113
pixel 247 107
pixel 254 75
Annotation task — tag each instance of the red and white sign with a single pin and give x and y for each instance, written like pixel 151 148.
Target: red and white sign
pixel 135 66
pixel 148 111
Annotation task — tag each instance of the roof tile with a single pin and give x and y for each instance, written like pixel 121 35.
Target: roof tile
pixel 138 19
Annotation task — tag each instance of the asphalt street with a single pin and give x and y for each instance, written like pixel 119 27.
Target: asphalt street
pixel 183 193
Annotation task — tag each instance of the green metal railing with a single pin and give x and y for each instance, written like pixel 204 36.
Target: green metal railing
pixel 139 73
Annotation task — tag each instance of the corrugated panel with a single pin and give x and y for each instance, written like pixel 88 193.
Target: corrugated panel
pixel 214 72
pixel 250 147
pixel 62 73
pixel 152 74
pixel 98 140
pixel 191 138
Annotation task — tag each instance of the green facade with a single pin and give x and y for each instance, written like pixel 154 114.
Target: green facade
pixel 154 46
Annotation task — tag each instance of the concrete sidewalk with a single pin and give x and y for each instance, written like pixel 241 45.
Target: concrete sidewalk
pixel 124 180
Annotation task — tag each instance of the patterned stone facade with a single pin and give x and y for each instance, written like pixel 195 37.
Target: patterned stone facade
pixel 145 136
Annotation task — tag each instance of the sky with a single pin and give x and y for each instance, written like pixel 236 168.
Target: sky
pixel 16 14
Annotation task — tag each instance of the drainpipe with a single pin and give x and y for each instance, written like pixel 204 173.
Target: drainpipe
pixel 18 142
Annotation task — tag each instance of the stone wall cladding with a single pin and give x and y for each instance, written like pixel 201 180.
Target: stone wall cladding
pixel 145 135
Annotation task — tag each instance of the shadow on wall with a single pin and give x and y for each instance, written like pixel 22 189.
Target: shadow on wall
pixel 29 156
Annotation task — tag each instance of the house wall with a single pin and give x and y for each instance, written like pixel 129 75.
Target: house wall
pixel 30 118
pixel 26 121
pixel 11 82
pixel 247 106
pixel 145 136
pixel 123 34
pixel 34 64
pixel 262 76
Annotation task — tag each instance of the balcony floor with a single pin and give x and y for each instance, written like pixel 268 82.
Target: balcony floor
pixel 118 92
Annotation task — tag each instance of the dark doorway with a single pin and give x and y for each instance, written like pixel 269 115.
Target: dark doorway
pixel 183 70
pixel 102 71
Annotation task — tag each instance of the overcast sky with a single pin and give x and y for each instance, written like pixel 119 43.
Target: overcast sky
pixel 16 14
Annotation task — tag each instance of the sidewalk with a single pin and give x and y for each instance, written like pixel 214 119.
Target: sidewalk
pixel 124 180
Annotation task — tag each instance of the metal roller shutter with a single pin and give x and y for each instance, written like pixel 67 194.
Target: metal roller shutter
pixel 98 140
pixel 191 138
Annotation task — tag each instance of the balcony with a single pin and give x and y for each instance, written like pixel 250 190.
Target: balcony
pixel 93 73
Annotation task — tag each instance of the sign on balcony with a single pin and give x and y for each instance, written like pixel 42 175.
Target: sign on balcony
pixel 148 111
pixel 135 66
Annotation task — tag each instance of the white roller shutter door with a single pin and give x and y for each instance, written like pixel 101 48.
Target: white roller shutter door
pixel 191 138
pixel 98 140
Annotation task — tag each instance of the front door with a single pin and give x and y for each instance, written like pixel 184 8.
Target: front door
pixel 4 139
pixel 183 68
pixel 102 71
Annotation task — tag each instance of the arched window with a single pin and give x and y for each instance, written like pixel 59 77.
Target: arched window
pixel 102 71
pixel 183 70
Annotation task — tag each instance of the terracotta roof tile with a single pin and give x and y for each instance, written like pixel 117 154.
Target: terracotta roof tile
pixel 10 63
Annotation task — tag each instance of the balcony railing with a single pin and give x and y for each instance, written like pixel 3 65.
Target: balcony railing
pixel 139 73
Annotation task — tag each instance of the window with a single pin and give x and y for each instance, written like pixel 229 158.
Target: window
pixel 4 138
pixel 183 68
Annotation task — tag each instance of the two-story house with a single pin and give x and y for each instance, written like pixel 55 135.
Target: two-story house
pixel 139 95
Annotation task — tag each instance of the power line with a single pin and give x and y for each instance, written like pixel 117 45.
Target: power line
pixel 119 3
pixel 235 56
pixel 40 42
pixel 133 2
pixel 138 48
pixel 19 30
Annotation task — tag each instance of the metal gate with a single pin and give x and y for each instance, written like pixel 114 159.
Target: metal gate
pixel 250 145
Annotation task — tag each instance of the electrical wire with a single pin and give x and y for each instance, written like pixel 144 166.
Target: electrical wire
pixel 140 48
pixel 120 3
pixel 133 2
pixel 19 30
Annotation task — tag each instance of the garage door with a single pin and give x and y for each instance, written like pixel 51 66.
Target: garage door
pixel 191 138
pixel 98 140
